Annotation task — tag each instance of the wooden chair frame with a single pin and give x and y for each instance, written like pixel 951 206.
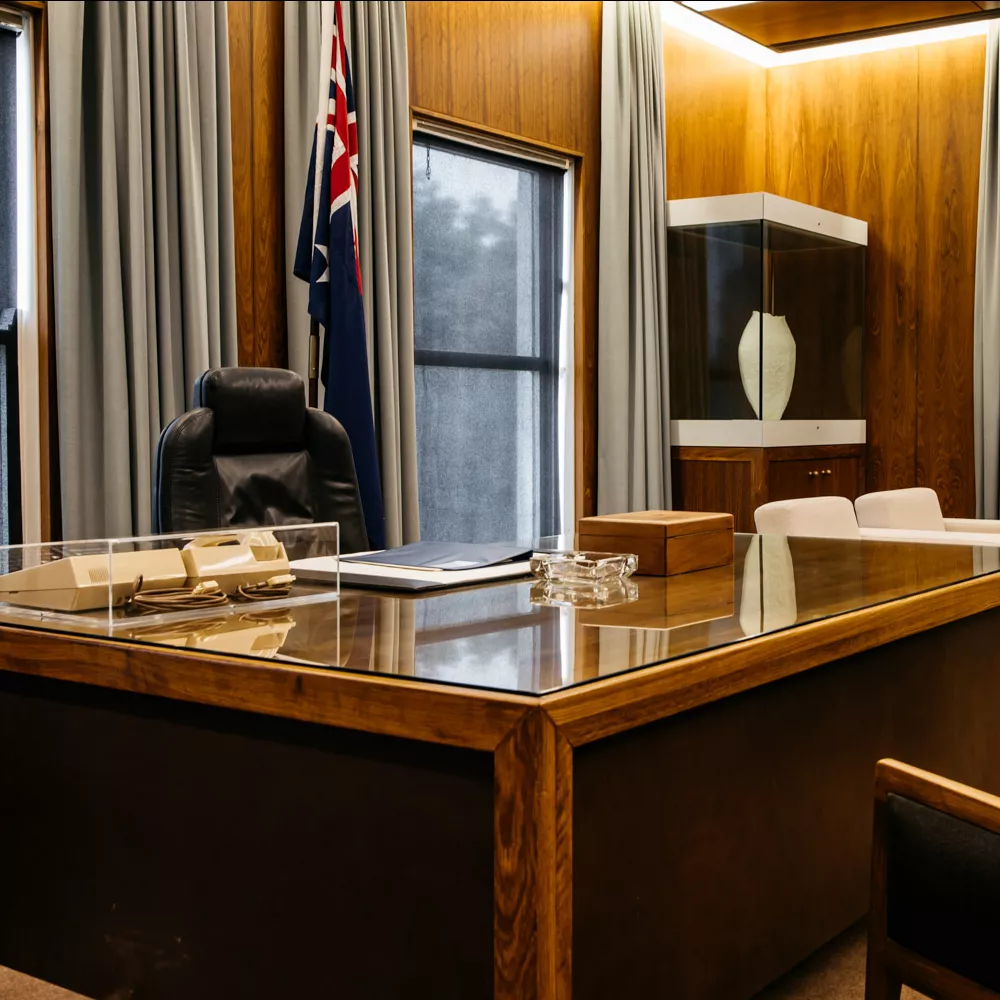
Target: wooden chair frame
pixel 890 966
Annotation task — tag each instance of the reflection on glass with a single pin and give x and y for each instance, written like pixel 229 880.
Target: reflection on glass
pixel 767 601
pixel 495 637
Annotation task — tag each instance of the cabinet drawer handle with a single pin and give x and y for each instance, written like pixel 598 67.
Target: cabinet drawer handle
pixel 828 472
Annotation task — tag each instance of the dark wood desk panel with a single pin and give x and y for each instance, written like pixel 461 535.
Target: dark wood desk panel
pixel 157 849
pixel 715 849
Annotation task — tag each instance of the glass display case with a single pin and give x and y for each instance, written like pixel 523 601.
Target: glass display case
pixel 134 584
pixel 766 323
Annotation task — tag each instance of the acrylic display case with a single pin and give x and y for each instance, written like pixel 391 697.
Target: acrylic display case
pixel 229 580
pixel 766 322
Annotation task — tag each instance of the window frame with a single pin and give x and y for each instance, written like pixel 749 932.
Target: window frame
pixel 557 490
pixel 38 430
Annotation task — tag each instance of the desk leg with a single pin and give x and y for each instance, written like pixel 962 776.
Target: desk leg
pixel 533 862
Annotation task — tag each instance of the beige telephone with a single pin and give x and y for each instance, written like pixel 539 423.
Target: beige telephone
pixel 234 559
pixel 80 583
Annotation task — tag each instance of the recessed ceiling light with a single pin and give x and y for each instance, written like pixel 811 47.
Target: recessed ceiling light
pixel 715 4
pixel 683 17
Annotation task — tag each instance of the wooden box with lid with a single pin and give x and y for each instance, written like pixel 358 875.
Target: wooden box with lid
pixel 667 542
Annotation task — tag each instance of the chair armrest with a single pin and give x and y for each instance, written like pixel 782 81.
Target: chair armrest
pixel 972 524
pixel 984 539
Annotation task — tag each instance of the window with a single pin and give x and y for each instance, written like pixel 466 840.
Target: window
pixel 491 297
pixel 12 53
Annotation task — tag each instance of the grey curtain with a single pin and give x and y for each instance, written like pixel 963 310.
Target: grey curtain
pixel 376 34
pixel 633 407
pixel 142 236
pixel 987 314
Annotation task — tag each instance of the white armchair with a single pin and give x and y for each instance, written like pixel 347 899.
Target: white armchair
pixel 834 517
pixel 914 510
pixel 816 517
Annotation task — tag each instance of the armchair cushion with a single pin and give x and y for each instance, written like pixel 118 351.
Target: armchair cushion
pixel 916 508
pixel 818 517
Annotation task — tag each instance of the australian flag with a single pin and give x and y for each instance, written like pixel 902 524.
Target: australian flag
pixel 327 257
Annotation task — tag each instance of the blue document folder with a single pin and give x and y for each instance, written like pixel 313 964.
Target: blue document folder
pixel 445 555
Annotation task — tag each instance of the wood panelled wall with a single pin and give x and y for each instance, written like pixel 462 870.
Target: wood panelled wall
pixel 716 119
pixel 892 138
pixel 256 74
pixel 531 70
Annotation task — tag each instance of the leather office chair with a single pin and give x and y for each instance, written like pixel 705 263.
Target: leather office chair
pixel 935 904
pixel 252 453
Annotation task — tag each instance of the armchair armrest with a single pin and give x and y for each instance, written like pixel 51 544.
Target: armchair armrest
pixel 972 524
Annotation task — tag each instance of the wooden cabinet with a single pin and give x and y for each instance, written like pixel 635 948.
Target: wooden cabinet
pixel 738 480
pixel 818 476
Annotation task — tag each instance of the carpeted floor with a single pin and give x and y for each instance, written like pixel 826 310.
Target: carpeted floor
pixel 835 972
pixel 14 986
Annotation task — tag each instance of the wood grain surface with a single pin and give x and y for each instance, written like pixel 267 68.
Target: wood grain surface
pixel 716 849
pixel 789 24
pixel 707 479
pixel 256 72
pixel 270 327
pixel 739 480
pixel 241 109
pixel 842 135
pixel 689 553
pixel 716 106
pixel 533 887
pixel 478 720
pixel 826 477
pixel 950 127
pixel 532 71
pixel 600 709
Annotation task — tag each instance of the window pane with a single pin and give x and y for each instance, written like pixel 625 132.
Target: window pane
pixel 488 266
pixel 477 454
pixel 477 247
pixel 8 169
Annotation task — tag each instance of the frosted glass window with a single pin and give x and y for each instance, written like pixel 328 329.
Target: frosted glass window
pixel 10 161
pixel 488 294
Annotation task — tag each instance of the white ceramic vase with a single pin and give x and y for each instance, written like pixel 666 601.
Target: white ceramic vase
pixel 779 364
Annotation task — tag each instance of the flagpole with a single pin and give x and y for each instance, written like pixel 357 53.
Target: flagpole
pixel 313 362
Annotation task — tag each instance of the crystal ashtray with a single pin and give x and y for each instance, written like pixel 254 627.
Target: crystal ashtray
pixel 583 568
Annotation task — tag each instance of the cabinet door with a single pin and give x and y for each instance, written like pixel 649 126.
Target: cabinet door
pixel 813 477
pixel 790 480
pixel 840 478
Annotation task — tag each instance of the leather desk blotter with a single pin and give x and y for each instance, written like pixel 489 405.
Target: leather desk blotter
pixel 667 542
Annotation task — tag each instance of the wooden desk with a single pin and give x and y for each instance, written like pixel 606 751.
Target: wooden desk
pixel 473 795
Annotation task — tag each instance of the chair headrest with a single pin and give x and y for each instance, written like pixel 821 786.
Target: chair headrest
pixel 254 409
pixel 817 517
pixel 916 508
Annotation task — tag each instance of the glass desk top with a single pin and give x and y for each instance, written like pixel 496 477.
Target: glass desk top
pixel 497 637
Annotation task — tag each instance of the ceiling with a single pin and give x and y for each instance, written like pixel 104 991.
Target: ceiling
pixel 786 25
